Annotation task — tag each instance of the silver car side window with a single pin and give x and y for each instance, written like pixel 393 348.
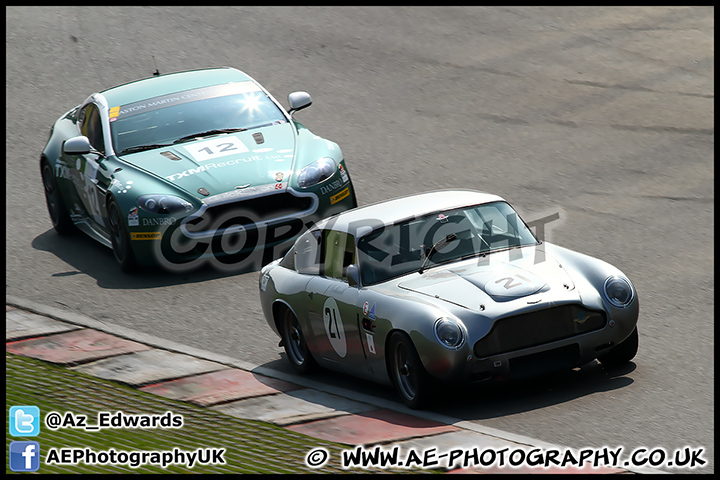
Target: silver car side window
pixel 307 253
pixel 339 254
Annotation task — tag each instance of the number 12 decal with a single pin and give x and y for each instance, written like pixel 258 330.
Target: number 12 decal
pixel 216 147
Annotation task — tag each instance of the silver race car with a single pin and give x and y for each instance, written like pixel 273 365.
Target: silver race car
pixel 449 286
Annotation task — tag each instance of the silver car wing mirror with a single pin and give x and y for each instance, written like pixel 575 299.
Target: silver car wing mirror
pixel 353 275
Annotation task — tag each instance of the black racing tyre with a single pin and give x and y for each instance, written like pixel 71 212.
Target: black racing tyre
pixel 621 353
pixel 416 387
pixel 120 238
pixel 59 216
pixel 354 198
pixel 294 343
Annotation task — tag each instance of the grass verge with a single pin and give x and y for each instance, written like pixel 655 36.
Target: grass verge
pixel 249 446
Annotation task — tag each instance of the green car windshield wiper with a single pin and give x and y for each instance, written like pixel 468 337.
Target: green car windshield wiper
pixel 436 246
pixel 140 148
pixel 208 133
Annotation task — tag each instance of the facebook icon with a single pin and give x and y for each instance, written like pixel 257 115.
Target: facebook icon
pixel 24 456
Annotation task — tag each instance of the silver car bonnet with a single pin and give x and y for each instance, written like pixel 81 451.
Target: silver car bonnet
pixel 500 277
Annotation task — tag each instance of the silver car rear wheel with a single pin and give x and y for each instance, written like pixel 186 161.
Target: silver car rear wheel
pixel 294 343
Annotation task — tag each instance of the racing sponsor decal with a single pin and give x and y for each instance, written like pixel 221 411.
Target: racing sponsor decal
pixel 336 198
pixel 370 342
pixel 208 166
pixel 331 187
pixel 158 221
pixel 62 170
pixel 133 218
pixel 186 96
pixel 216 147
pixel 369 311
pixel 145 236
pixel 334 327
pixel 114 113
pixel 343 174
pixel 119 187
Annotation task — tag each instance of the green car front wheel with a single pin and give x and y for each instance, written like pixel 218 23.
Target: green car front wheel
pixel 120 238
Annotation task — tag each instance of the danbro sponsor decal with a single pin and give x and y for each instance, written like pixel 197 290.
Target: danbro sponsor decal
pixel 145 236
pixel 336 198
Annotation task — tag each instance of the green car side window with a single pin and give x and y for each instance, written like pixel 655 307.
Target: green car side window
pixel 91 127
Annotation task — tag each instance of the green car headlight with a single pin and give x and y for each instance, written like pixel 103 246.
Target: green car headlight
pixel 618 291
pixel 317 172
pixel 449 333
pixel 164 204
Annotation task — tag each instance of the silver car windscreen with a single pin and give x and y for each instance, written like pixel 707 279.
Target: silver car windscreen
pixel 405 247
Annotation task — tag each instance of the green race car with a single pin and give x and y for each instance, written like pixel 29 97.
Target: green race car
pixel 179 168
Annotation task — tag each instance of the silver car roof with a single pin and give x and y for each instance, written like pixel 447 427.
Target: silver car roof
pixel 362 220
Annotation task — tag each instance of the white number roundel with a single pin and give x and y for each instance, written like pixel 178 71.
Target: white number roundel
pixel 334 327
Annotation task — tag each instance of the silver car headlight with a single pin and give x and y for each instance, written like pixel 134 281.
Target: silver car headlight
pixel 317 172
pixel 618 291
pixel 164 204
pixel 449 333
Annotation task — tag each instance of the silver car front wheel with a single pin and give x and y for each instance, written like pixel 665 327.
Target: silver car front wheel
pixel 622 353
pixel 411 380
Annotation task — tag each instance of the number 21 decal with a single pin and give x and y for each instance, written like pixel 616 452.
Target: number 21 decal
pixel 334 327
pixel 509 281
pixel 215 148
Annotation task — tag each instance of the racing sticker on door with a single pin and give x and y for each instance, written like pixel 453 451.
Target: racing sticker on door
pixel 216 147
pixel 334 327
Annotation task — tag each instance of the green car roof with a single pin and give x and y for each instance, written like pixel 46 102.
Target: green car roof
pixel 172 82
